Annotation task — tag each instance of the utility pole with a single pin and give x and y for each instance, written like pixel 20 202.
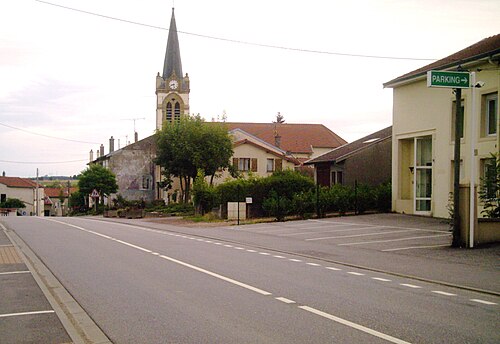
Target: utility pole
pixel 456 169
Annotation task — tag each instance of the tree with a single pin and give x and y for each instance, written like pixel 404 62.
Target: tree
pixel 97 177
pixel 190 144
pixel 12 203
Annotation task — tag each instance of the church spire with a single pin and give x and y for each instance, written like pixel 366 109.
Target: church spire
pixel 173 54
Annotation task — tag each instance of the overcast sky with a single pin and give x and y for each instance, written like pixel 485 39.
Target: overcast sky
pixel 76 76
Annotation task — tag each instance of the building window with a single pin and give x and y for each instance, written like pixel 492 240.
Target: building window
pixel 270 165
pixel 177 112
pixel 460 120
pixel 245 164
pixel 337 177
pixel 488 176
pixel 169 112
pixel 489 114
pixel 3 198
pixel 147 182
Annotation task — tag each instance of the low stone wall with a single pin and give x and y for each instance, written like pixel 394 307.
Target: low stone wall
pixel 488 231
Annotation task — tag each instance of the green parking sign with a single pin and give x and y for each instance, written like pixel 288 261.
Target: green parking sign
pixel 448 79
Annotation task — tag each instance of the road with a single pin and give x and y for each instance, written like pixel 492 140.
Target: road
pixel 143 285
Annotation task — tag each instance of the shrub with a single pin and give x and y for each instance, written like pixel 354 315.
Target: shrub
pixel 277 206
pixel 204 195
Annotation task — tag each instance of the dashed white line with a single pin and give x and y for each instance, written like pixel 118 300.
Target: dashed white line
pixel 332 268
pixel 381 279
pixel 239 248
pixel 285 300
pixel 228 245
pixel 443 293
pixel 410 285
pixel 313 264
pixel 294 260
pixel 264 253
pixel 355 273
pixel 354 325
pixel 483 302
pixel 252 251
pixel 217 243
pixel 280 257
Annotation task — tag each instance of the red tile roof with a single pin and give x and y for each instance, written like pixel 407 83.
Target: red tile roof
pixel 16 182
pixel 295 138
pixel 55 192
pixel 485 48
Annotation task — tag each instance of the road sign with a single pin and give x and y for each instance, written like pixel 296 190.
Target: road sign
pixel 448 79
pixel 94 194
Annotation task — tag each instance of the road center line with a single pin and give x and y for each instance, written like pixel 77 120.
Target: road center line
pixel 285 300
pixel 381 279
pixel 483 302
pixel 443 293
pixel 410 285
pixel 354 325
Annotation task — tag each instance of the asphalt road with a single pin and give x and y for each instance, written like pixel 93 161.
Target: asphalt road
pixel 142 285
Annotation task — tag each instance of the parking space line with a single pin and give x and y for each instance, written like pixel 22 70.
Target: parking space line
pixel 413 247
pixel 391 240
pixel 335 230
pixel 397 227
pixel 360 235
pixel 15 272
pixel 25 313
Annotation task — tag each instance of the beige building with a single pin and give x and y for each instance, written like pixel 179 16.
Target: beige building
pixel 423 130
pixel 25 190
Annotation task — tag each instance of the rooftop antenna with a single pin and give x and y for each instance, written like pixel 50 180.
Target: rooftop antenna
pixel 133 119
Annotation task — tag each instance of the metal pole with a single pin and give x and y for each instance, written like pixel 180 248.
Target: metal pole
pixel 456 164
pixel 37 205
pixel 238 201
pixel 472 214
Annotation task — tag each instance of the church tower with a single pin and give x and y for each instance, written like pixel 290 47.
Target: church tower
pixel 172 88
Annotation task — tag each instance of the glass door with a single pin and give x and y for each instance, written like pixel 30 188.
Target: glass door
pixel 423 175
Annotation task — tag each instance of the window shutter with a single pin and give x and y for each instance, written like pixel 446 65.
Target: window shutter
pixel 278 164
pixel 254 165
pixel 235 163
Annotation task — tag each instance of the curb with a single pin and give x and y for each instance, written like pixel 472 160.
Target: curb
pixel 80 327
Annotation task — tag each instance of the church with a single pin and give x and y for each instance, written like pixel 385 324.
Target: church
pixel 259 148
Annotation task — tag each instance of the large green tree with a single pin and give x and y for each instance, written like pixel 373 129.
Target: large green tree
pixel 189 145
pixel 99 178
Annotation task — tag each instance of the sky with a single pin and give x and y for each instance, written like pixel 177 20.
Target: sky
pixel 70 80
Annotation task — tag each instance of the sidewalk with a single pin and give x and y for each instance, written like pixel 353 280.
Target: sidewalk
pixel 26 316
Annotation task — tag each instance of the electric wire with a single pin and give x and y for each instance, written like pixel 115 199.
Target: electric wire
pixel 48 136
pixel 239 41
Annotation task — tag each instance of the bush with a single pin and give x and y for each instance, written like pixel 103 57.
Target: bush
pixel 304 204
pixel 204 195
pixel 277 206
pixel 12 203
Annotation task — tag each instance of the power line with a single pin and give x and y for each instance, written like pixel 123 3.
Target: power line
pixel 49 136
pixel 263 45
pixel 42 162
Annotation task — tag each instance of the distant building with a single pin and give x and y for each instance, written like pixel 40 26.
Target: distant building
pixel 56 201
pixel 365 161
pixel 25 190
pixel 424 136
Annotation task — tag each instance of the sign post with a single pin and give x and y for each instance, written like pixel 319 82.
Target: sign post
pixel 459 80
pixel 95 197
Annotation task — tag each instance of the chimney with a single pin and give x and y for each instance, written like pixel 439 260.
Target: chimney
pixel 277 140
pixel 97 153
pixel 3 174
pixel 111 144
pixel 118 143
pixel 91 155
pixel 101 150
pixel 136 137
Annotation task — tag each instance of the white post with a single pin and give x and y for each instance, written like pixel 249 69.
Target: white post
pixel 472 214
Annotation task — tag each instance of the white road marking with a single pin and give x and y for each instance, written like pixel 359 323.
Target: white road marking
pixel 483 302
pixel 294 260
pixel 284 299
pixel 413 247
pixel 252 251
pixel 134 246
pixel 24 313
pixel 354 325
pixel 332 231
pixel 443 293
pixel 361 235
pixel 264 253
pixel 381 279
pixel 332 268
pixel 280 257
pixel 313 264
pixel 228 246
pixel 398 227
pixel 400 239
pixel 355 273
pixel 239 248
pixel 410 285
pixel 155 253
pixel 208 241
pixel 217 243
pixel 15 272
pixel 6 245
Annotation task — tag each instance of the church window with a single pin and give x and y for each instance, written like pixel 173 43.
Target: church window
pixel 169 112
pixel 177 111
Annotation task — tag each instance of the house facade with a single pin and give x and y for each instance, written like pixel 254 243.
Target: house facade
pixel 56 201
pixel 25 190
pixel 364 161
pixel 424 136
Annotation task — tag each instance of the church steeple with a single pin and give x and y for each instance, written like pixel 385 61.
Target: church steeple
pixel 172 87
pixel 173 54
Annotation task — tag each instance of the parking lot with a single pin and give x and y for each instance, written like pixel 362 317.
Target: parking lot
pixel 382 233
